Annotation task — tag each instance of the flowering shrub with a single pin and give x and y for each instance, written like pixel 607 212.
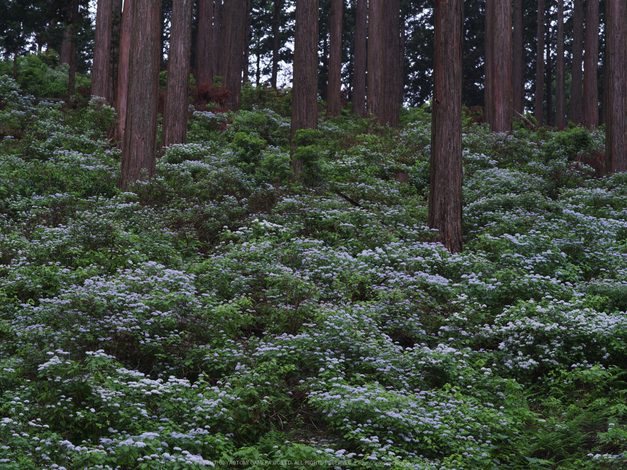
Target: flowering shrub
pixel 221 316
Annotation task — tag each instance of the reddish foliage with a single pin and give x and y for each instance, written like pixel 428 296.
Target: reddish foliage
pixel 205 93
pixel 595 159
pixel 475 113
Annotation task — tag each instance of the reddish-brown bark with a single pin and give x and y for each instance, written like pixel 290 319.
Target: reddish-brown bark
pixel 518 71
pixel 140 136
pixel 305 86
pixel 383 61
pixel 276 40
pixel 204 42
pixel 66 47
pixel 71 87
pixel 498 65
pixel 334 88
pixel 360 54
pixel 591 65
pixel 445 194
pixel 233 34
pixel 539 98
pixel 102 49
pixel 123 70
pixel 576 93
pixel 560 75
pixel 616 86
pixel 177 91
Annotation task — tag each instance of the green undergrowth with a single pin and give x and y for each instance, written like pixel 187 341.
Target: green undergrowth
pixel 222 315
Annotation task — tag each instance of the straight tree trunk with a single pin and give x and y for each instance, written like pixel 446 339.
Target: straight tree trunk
pixel 360 53
pixel 140 136
pixel 204 42
pixel 576 93
pixel 445 194
pixel 66 46
pixel 539 98
pixel 305 86
pixel 247 37
pixel 232 49
pixel 71 84
pixel 123 70
pixel 518 71
pixel 276 40
pixel 548 79
pixel 305 75
pixel 616 89
pixel 115 51
pixel 102 49
pixel 560 73
pixel 383 61
pixel 218 40
pixel 591 64
pixel 177 91
pixel 498 99
pixel 334 89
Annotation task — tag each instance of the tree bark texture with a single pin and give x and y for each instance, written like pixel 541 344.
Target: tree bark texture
pixel 71 83
pixel 334 89
pixel 115 51
pixel 498 65
pixel 576 93
pixel 102 49
pixel 140 136
pixel 66 45
pixel 247 38
pixel 518 71
pixel 591 65
pixel 276 40
pixel 616 89
pixel 305 86
pixel 218 9
pixel 204 42
pixel 232 49
pixel 383 61
pixel 539 98
pixel 123 69
pixel 360 55
pixel 548 77
pixel 560 72
pixel 445 193
pixel 177 91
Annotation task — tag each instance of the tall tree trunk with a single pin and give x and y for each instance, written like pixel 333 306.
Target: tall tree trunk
pixel 305 76
pixel 576 93
pixel 204 42
pixel 445 194
pixel 115 51
pixel 383 61
pixel 548 78
pixel 539 98
pixel 140 136
pixel 360 54
pixel 247 37
pixel 616 89
pixel 74 17
pixel 218 40
pixel 560 75
pixel 498 73
pixel 276 40
pixel 518 71
pixel 102 49
pixel 177 91
pixel 66 46
pixel 232 49
pixel 591 64
pixel 123 70
pixel 401 61
pixel 334 89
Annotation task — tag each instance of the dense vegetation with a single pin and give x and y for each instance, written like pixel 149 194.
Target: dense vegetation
pixel 222 313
